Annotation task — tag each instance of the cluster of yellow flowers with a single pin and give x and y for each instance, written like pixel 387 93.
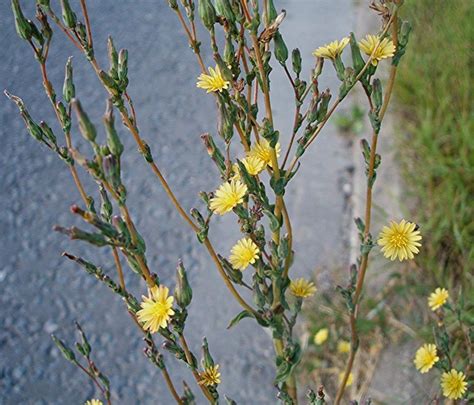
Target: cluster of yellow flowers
pixel 453 381
pixel 376 48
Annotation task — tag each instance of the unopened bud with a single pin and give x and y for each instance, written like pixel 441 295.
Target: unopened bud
pixel 69 90
pixel 86 126
pixel 207 13
pixel 296 60
pixel 224 8
pixel 183 292
pixel 69 17
pixel 281 51
pixel 113 140
pixel 113 58
pixel 207 361
pixel 23 28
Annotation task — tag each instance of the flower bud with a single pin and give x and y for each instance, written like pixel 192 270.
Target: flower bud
pixel 207 13
pixel 123 66
pixel 183 292
pixel 281 51
pixel 323 107
pixel 224 9
pixel 296 61
pixel 86 126
pixel 48 132
pixel 66 351
pixel 23 28
pixel 69 17
pixel 64 117
pixel 207 361
pixel 357 60
pixel 109 83
pixel 113 58
pixel 377 94
pixel 69 90
pixel 113 140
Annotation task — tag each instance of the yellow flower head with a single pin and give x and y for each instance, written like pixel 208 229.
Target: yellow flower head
pixel 385 48
pixel 302 288
pixel 453 384
pixel 244 252
pixel 438 298
pixel 228 195
pixel 210 376
pixel 350 378
pixel 156 309
pixel 93 402
pixel 214 81
pixel 400 240
pixel 253 164
pixel 263 151
pixel 425 358
pixel 321 336
pixel 331 50
pixel 343 346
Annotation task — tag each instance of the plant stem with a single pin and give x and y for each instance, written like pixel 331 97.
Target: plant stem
pixel 189 359
pixel 367 222
pixel 339 100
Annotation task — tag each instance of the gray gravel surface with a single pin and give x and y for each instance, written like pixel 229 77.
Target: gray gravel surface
pixel 41 293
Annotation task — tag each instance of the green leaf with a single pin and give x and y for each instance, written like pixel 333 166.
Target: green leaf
pixel 239 317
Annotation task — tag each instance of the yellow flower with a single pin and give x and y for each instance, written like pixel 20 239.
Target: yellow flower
pixel 400 240
pixel 302 288
pixel 321 336
pixel 438 298
pixel 244 252
pixel 425 358
pixel 350 378
pixel 386 49
pixel 156 309
pixel 210 376
pixel 453 384
pixel 343 346
pixel 214 81
pixel 227 196
pixel 263 151
pixel 93 402
pixel 331 50
pixel 253 164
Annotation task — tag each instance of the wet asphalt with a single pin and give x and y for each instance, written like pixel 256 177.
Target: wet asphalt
pixel 42 293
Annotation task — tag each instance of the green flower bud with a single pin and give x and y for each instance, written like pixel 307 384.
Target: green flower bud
pixel 207 13
pixel 86 126
pixel 281 51
pixel 229 51
pixel 113 140
pixel 339 66
pixel 69 17
pixel 224 9
pixel 23 28
pixel 357 60
pixel 113 59
pixel 296 61
pixel 183 292
pixel 323 107
pixel 48 132
pixel 69 90
pixel 377 94
pixel 109 83
pixel 207 361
